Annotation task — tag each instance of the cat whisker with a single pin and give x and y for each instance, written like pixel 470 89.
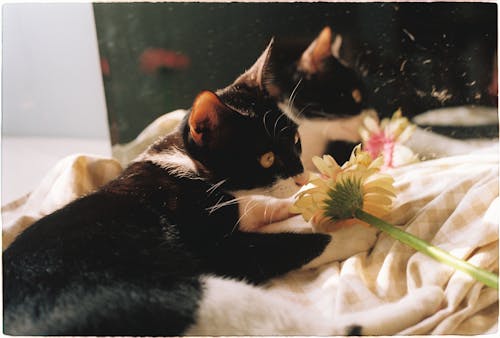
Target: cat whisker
pixel 322 113
pixel 283 129
pixel 216 186
pixel 216 206
pixel 264 121
pixel 293 95
pixel 245 212
pixel 300 113
pixel 276 123
pixel 268 219
pixel 219 205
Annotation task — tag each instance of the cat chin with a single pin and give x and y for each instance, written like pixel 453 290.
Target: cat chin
pixel 282 188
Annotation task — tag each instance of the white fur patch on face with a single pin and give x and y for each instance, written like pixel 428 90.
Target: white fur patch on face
pixel 174 161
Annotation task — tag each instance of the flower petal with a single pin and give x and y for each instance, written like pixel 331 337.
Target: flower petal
pixel 371 124
pixel 333 196
pixel 376 189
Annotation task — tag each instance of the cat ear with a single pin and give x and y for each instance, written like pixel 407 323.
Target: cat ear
pixel 319 50
pixel 205 116
pixel 255 76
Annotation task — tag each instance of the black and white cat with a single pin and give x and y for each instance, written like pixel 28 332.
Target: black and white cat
pixel 164 248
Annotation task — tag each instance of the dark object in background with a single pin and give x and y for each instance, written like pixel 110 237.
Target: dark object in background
pixel 426 56
pixel 464 133
pixel 417 56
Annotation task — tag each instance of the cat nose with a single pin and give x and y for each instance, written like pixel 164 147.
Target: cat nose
pixel 301 179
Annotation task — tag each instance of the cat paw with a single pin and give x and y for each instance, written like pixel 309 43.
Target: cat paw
pixel 345 243
pixel 354 330
pixel 346 331
pixel 259 211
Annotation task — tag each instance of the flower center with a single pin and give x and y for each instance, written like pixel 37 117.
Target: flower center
pixel 344 199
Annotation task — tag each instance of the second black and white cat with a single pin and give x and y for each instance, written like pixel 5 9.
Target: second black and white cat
pixel 329 98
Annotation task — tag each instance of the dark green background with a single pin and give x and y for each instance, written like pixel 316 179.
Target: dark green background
pixel 222 39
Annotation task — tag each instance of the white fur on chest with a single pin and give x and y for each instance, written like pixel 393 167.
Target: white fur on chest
pixel 315 134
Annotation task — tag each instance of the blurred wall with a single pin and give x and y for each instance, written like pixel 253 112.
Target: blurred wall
pixel 51 81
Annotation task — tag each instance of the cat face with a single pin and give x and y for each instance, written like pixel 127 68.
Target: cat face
pixel 331 93
pixel 243 139
pixel 246 135
pixel 318 84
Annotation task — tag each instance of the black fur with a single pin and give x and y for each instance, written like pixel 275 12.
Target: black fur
pixel 355 330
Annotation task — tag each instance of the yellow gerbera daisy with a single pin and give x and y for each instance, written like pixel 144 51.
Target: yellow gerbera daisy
pixel 330 199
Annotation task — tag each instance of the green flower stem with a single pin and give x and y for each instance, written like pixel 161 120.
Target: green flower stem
pixel 485 277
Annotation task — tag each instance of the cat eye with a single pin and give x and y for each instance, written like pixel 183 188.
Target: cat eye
pixel 297 138
pixel 356 95
pixel 267 160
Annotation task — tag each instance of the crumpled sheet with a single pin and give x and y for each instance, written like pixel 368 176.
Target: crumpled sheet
pixel 161 126
pixel 374 280
pixel 71 177
pixel 451 202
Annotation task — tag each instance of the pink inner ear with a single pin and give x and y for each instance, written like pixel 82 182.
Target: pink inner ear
pixel 322 50
pixel 318 50
pixel 204 115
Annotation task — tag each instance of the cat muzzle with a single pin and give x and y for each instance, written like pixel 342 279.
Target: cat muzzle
pixel 301 179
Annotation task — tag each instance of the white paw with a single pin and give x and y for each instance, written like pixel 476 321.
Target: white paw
pixel 259 211
pixel 346 242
